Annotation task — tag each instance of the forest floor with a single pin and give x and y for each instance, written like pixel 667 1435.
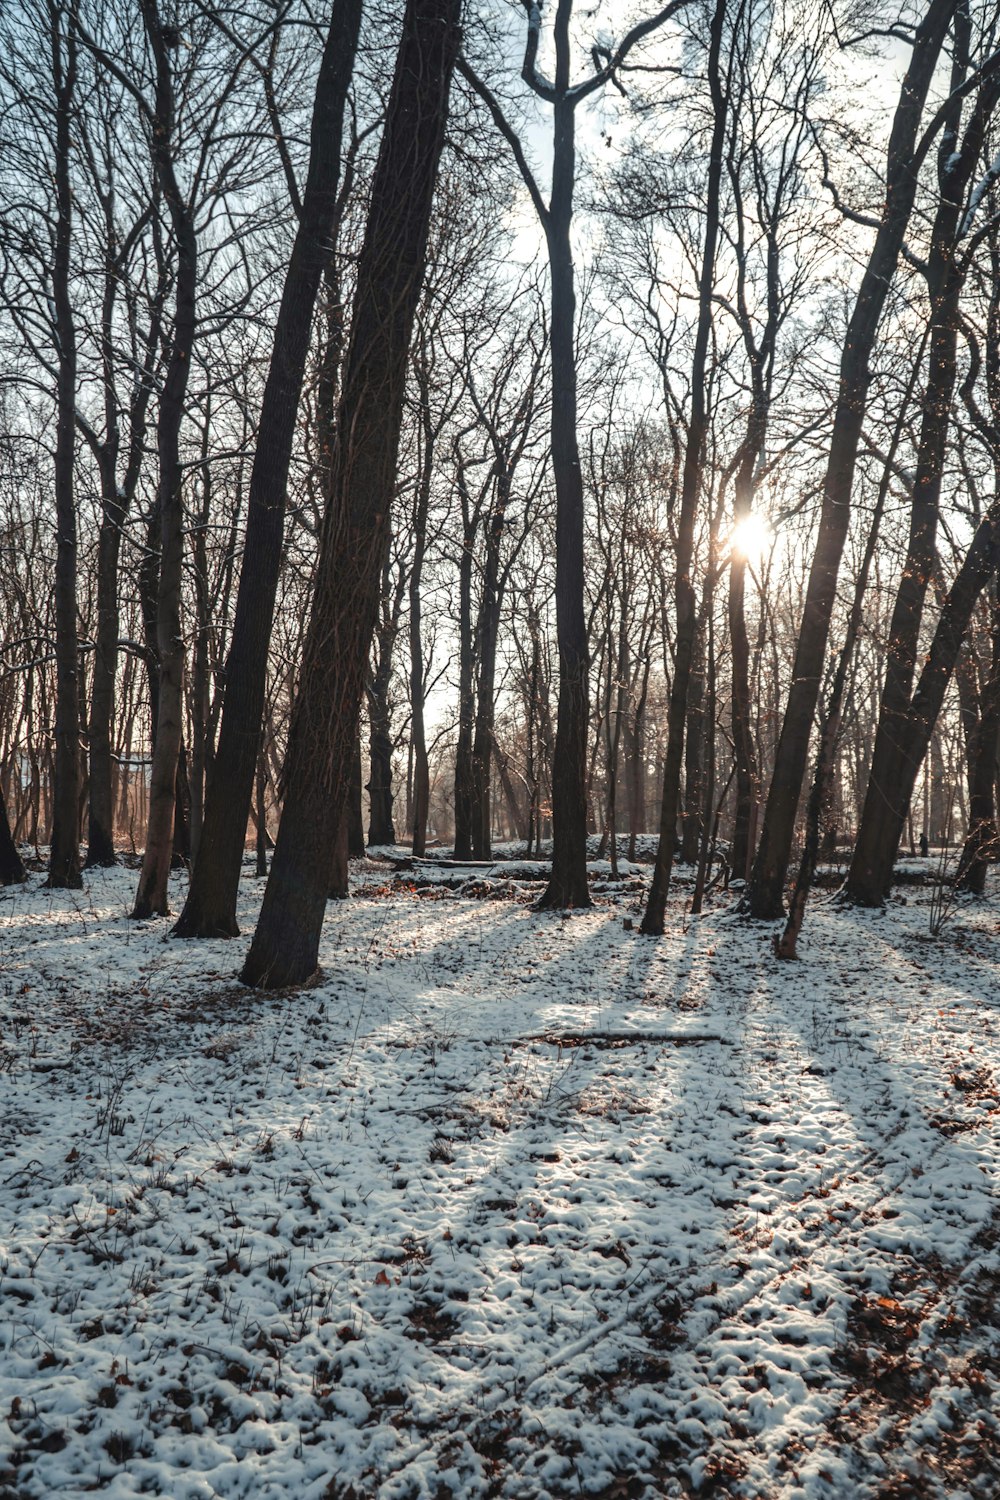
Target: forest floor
pixel 509 1204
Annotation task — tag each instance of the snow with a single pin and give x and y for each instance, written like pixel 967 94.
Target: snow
pixel 509 1203
pixel 982 187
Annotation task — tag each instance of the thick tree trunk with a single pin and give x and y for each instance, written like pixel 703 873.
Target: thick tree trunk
pixel 981 844
pixel 945 278
pixel 340 873
pixel 357 524
pixel 12 871
pixel 771 864
pixel 261 816
pixel 871 869
pixel 567 886
pixel 820 796
pixel 64 862
pixel 210 908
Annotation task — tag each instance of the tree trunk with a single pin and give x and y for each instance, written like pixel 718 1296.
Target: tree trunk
pixel 872 865
pixel 945 277
pixel 200 666
pixel 694 754
pixel 210 908
pixel 488 630
pixel 12 871
pixel 771 863
pixel 340 874
pixel 355 820
pixel 687 621
pixel 261 840
pixel 64 862
pixel 981 841
pixel 151 896
pixel 568 883
pixel 820 795
pixel 464 798
pixel 116 500
pixel 418 734
pixel 356 529
pixel 381 829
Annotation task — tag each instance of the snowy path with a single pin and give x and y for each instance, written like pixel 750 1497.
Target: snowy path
pixel 511 1204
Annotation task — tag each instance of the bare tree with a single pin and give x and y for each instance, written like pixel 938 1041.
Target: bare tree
pixel 568 883
pixel 210 908
pixel 906 152
pixel 356 527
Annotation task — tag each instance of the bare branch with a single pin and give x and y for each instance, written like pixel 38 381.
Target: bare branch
pixel 509 134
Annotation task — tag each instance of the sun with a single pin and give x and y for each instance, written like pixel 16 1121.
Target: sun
pixel 751 538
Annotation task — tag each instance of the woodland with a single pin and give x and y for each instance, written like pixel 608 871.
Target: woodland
pixel 499 748
pixel 683 433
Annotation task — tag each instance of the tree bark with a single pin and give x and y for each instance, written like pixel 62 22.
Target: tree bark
pixel 466 699
pixel 12 871
pixel 872 865
pixel 418 733
pixel 151 896
pixel 116 501
pixel 355 820
pixel 771 864
pixel 210 908
pixel 381 828
pixel 945 278
pixel 64 861
pixel 488 631
pixel 693 817
pixel 820 796
pixel 981 847
pixel 356 529
pixel 567 886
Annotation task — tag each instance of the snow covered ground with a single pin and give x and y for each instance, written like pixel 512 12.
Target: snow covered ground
pixel 511 1204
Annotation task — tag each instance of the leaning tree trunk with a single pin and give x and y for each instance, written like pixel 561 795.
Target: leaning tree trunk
pixel 820 795
pixel 64 862
pixel 151 896
pixel 872 865
pixel 771 864
pixel 210 908
pixel 356 529
pixel 945 277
